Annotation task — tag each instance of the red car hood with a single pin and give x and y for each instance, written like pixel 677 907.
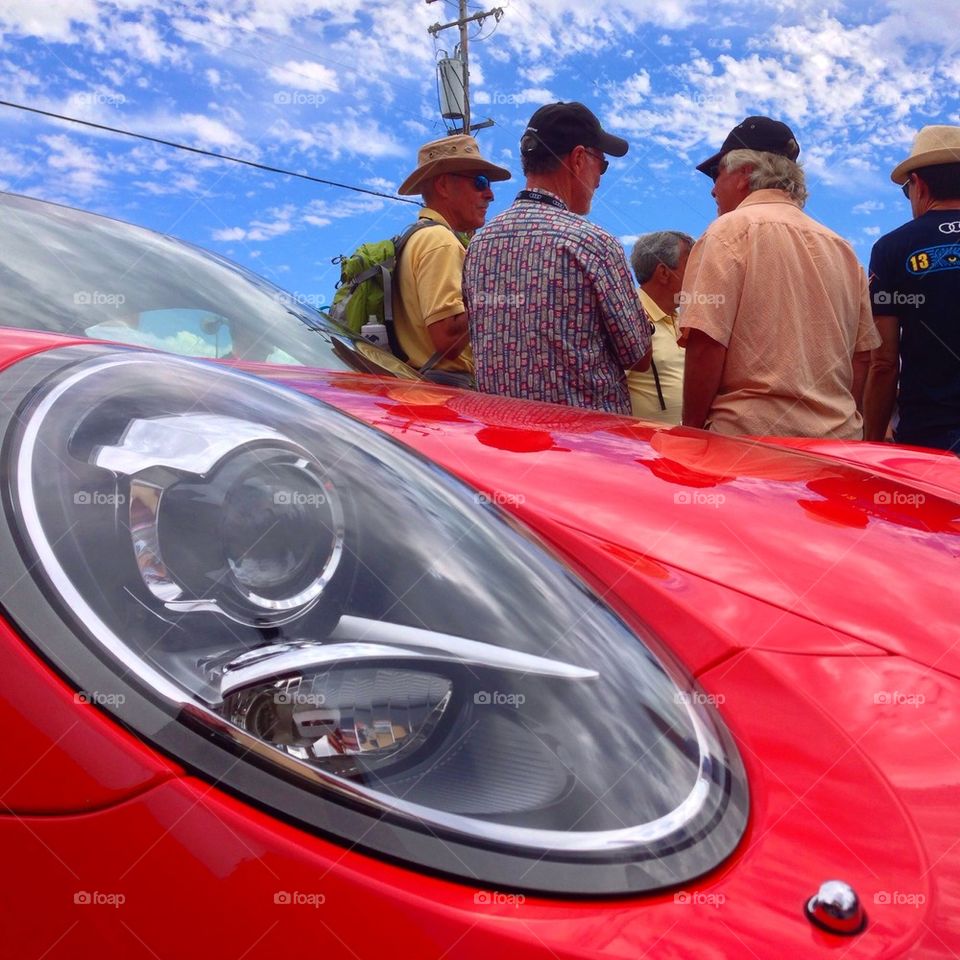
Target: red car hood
pixel 804 532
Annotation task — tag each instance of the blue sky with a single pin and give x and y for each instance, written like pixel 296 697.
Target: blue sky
pixel 348 92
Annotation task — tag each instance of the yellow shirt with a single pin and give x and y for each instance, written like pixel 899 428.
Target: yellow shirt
pixel 668 357
pixel 429 282
pixel 788 299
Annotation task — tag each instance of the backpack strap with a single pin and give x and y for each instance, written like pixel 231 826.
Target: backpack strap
pixel 387 268
pixel 399 242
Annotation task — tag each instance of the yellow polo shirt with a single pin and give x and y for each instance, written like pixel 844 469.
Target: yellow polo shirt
pixel 429 279
pixel 668 356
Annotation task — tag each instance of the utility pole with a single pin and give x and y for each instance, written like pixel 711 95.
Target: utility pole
pixel 462 22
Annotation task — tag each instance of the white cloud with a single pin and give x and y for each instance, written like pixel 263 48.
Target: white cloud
pixel 348 136
pixel 210 132
pixel 230 234
pixel 305 75
pixel 53 20
pixel 351 206
pixel 868 206
pixel 77 168
pixel 182 183
pixel 538 73
pixel 872 231
pixel 260 229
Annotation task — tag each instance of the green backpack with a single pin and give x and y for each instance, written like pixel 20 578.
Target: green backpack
pixel 365 288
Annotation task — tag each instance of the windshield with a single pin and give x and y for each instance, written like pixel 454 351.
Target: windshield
pixel 75 273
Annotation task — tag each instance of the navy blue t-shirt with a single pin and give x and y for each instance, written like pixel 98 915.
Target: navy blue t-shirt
pixel 915 275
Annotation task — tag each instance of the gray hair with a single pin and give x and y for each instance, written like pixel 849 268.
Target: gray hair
pixel 770 172
pixel 652 249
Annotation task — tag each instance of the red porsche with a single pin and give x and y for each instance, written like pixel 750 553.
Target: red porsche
pixel 303 655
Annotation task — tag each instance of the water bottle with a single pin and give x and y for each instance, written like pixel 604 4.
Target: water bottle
pixel 375 332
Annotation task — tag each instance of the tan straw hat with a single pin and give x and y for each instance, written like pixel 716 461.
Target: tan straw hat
pixel 456 154
pixel 932 146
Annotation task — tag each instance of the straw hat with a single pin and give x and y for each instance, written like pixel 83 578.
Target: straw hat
pixel 932 146
pixel 457 154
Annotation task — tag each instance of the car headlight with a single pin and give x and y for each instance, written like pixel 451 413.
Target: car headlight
pixel 327 624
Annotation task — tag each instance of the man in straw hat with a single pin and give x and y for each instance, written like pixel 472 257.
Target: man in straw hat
pixel 775 305
pixel 454 181
pixel 915 294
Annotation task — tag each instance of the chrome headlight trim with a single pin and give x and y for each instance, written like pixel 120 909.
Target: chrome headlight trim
pixel 360 639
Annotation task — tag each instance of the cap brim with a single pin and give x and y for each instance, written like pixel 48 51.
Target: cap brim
pixel 613 146
pixel 711 164
pixel 412 184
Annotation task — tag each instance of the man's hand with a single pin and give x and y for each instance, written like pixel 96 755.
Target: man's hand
pixel 703 368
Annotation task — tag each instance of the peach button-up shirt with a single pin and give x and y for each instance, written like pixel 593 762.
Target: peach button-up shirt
pixel 788 299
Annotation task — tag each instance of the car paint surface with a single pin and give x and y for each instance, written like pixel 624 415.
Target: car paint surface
pixel 751 564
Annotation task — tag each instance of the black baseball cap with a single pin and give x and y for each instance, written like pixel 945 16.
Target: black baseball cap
pixel 559 127
pixel 755 133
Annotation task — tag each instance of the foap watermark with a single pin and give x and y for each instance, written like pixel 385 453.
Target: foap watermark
pixel 298 98
pixel 95 898
pixel 685 298
pixel 685 498
pixel 98 298
pixel 508 99
pixel 895 298
pixel 702 100
pixel 299 698
pixel 897 498
pixel 500 299
pixel 899 898
pixel 297 498
pixel 694 898
pixel 494 698
pixel 496 898
pixel 99 698
pixel 314 300
pixel 690 697
pixel 97 498
pixel 295 898
pixel 500 498
pixel 896 698
pixel 92 98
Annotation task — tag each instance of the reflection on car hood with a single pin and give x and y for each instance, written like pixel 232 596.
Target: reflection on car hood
pixel 805 532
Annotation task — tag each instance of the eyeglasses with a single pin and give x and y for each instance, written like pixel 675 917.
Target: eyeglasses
pixel 906 187
pixel 481 181
pixel 604 163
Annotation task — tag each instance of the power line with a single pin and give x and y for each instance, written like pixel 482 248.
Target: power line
pixel 206 153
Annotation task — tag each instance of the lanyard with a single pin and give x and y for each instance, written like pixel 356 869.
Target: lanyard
pixel 538 197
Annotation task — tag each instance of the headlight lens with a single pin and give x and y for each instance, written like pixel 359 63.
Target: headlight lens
pixel 352 621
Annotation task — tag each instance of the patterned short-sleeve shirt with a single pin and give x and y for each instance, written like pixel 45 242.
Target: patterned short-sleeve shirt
pixel 553 312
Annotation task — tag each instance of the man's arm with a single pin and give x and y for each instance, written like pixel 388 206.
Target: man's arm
pixel 703 368
pixel 880 392
pixel 450 335
pixel 861 365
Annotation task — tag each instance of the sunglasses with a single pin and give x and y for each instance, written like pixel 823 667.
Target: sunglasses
pixel 906 187
pixel 481 182
pixel 604 163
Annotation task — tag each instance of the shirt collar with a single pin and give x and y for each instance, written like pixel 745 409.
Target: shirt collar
pixel 768 196
pixel 548 193
pixel 428 213
pixel 650 307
